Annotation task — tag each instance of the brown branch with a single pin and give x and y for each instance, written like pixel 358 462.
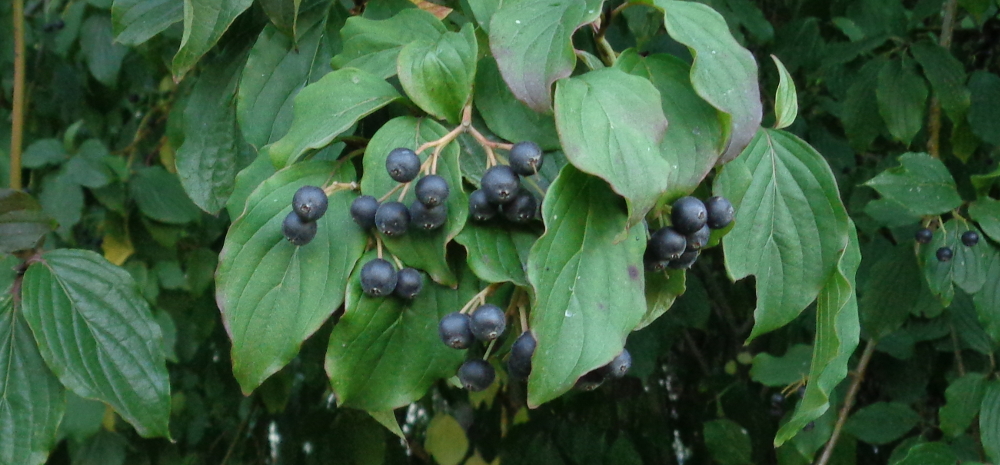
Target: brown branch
pixel 934 116
pixel 845 410
pixel 17 124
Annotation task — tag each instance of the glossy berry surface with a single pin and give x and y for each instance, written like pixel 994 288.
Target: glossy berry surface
pixel 521 209
pixel 427 218
pixel 944 254
pixel 392 219
pixel 432 190
pixel 525 158
pixel 666 244
pixel 519 361
pixel 298 232
pixel 970 238
pixel 455 330
pixel 409 283
pixel 620 365
pixel 684 261
pixel 688 215
pixel 501 184
pixel 488 322
pixel 402 164
pixel 310 203
pixel 378 278
pixel 923 236
pixel 720 212
pixel 363 211
pixel 476 374
pixel 480 208
pixel 699 238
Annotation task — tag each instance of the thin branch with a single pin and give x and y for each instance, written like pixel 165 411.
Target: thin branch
pixel 852 392
pixel 17 124
pixel 934 116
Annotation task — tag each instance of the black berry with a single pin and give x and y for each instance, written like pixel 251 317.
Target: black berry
pixel 924 236
pixel 526 158
pixel 688 215
pixel 310 203
pixel 720 212
pixel 970 238
pixel 521 209
pixel 392 218
pixel 428 218
pixel 684 261
pixel 519 361
pixel 945 254
pixel 480 208
pixel 402 164
pixel 476 374
pixel 432 190
pixel 666 244
pixel 699 238
pixel 501 184
pixel 298 232
pixel 409 282
pixel 455 330
pixel 363 211
pixel 488 322
pixel 378 278
pixel 620 364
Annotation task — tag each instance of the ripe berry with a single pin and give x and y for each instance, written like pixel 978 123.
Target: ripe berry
pixel 970 238
pixel 476 374
pixel 409 282
pixel 944 254
pixel 310 203
pixel 688 215
pixel 455 331
pixel 525 158
pixel 519 361
pixel 924 236
pixel 720 212
pixel 522 208
pixel 428 218
pixel 392 218
pixel 480 208
pixel 620 364
pixel 488 322
pixel 363 211
pixel 432 190
pixel 666 244
pixel 378 278
pixel 699 238
pixel 298 232
pixel 500 184
pixel 402 164
pixel 684 261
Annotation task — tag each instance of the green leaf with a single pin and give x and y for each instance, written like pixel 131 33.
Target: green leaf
pixel 373 45
pixel 32 401
pixel 533 47
pixel 962 318
pixel 482 11
pixel 986 212
pixel 22 222
pixel 902 96
pixel 420 249
pixel 786 103
pixel 272 294
pixel 62 199
pixel 662 289
pixel 160 196
pixel 246 181
pixel 892 291
pixel 385 352
pixel 791 227
pixel 506 116
pixel 964 396
pixel 921 184
pixel 860 112
pixel 105 448
pixel 611 126
pixel 984 110
pixel 97 333
pixel 947 77
pixel 136 21
pixel 446 440
pixel 784 370
pixel 204 23
pixel 728 442
pixel 438 74
pixel 387 419
pixel 882 422
pixel 283 14
pixel 587 281
pixel 44 152
pixel 104 57
pixel 497 253
pixel 933 453
pixel 694 139
pixel 966 269
pixel 213 150
pixel 989 421
pixel 987 300
pixel 325 109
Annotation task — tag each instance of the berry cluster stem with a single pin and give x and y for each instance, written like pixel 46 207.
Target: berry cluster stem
pixel 340 186
pixel 378 246
pixel 479 298
pixel 489 349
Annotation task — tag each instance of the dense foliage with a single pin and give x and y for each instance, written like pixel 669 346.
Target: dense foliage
pixel 554 232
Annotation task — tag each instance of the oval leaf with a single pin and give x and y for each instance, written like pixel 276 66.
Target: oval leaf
pixel 497 253
pixel 22 222
pixel 438 75
pixel 946 75
pixel 136 21
pixel 921 184
pixel 373 45
pixel 901 95
pixel 964 397
pixel 786 102
pixel 160 196
pixel 882 422
pixel 507 116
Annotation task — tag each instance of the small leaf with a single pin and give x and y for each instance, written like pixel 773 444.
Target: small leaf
pixel 901 95
pixel 964 396
pixel 986 212
pixel 662 289
pixel 784 370
pixel 446 440
pixel 786 103
pixel 204 23
pixel 22 222
pixel 728 442
pixel 921 184
pixel 104 57
pixel 160 196
pixel 97 333
pixel 497 253
pixel 860 112
pixel 989 421
pixel 506 116
pixel 136 21
pixel 882 422
pixel 947 77
pixel 933 453
pixel 325 109
pixel 44 152
pixel 438 74
pixel 984 111
pixel 62 199
pixel 373 45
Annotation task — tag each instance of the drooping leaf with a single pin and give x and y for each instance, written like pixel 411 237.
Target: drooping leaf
pixel 438 74
pixel 791 227
pixel 161 197
pixel 446 440
pixel 946 75
pixel 989 421
pixel 662 289
pixel 964 396
pixel 506 116
pixel 325 109
pixel 781 371
pixel 104 57
pixel 588 284
pixel 22 222
pixel 984 110
pixel 786 102
pixel 921 184
pixel 98 335
pixel 610 126
pixel 728 442
pixel 272 294
pixel 204 23
pixel 533 47
pixel 373 45
pixel 136 21
pixel 882 422
pixel 966 269
pixel 932 453
pixel 497 253
pixel 901 95
pixel 986 212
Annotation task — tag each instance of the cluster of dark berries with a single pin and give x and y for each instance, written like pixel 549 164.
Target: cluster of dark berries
pixel 501 190
pixel 613 370
pixel 393 219
pixel 944 254
pixel 692 221
pixel 308 205
pixel 379 279
pixel 459 330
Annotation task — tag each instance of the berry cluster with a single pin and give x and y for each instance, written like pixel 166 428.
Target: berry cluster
pixel 944 254
pixel 393 219
pixel 459 330
pixel 501 190
pixel 379 279
pixel 308 205
pixel 692 220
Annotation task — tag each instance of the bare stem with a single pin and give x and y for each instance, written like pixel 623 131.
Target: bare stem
pixel 489 349
pixel 479 297
pixel 340 186
pixel 934 115
pixel 845 410
pixel 378 246
pixel 17 124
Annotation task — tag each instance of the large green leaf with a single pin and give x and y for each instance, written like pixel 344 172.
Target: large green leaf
pixel 385 352
pixel 921 184
pixel 497 253
pixel 136 21
pixel 204 23
pixel 420 249
pixel 791 227
pixel 533 47
pixel 22 222
pixel 986 212
pixel 506 116
pixel 984 110
pixel 989 421
pixel 272 294
pixel 967 268
pixel 694 138
pixel 98 335
pixel 161 197
pixel 946 75
pixel 902 95
pixel 328 107
pixel 438 74
pixel 882 422
pixel 964 396
pixel 588 283
pixel 373 45
pixel 611 125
